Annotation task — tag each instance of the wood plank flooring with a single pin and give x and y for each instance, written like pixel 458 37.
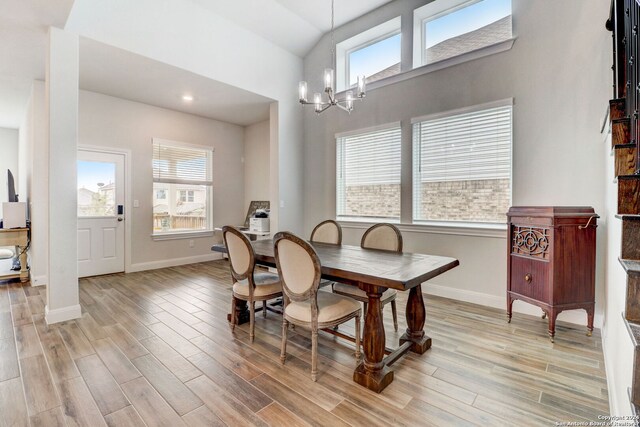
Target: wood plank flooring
pixel 154 348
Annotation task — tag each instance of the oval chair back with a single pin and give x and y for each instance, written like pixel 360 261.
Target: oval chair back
pixel 299 268
pixel 241 257
pixel 382 236
pixel 328 231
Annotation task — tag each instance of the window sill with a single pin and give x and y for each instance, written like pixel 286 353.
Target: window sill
pixel 497 231
pixel 446 63
pixel 181 235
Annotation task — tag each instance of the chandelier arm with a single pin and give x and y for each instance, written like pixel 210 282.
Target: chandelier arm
pixel 325 106
pixel 330 94
pixel 344 100
pixel 342 107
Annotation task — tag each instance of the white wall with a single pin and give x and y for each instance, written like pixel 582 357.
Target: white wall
pixel 34 180
pixel 113 122
pixel 8 160
pixel 256 162
pixel 617 345
pixel 188 36
pixel 559 77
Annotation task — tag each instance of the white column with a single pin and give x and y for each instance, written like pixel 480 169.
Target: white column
pixel 62 99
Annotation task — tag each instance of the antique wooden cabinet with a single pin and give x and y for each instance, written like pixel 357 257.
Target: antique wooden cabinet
pixel 552 255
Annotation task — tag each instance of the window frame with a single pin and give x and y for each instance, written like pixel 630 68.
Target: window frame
pixel 466 223
pixel 351 133
pixel 364 39
pixel 172 234
pixel 438 9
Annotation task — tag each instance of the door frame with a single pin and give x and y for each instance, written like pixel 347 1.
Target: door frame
pixel 126 153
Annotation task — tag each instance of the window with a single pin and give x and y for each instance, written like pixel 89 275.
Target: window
pixel 182 184
pixel 186 195
pixel 96 188
pixel 462 165
pixel 374 53
pixel 368 174
pixel 445 29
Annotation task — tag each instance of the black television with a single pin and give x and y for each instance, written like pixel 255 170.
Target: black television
pixel 11 187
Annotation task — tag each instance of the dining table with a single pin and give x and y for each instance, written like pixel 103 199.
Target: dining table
pixel 374 271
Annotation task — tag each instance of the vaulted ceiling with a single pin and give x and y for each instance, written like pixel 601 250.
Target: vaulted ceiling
pixel 294 25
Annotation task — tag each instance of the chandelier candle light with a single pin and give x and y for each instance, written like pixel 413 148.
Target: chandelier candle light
pixel 319 104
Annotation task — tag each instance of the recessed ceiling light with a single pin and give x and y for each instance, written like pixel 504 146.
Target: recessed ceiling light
pixel 187 98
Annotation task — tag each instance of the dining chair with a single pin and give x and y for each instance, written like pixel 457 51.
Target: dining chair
pixel 248 285
pixel 381 236
pixel 299 269
pixel 328 231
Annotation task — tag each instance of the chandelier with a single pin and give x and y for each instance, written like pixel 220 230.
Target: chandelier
pixel 345 103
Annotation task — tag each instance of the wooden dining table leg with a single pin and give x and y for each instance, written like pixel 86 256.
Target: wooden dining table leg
pixel 372 371
pixel 416 316
pixel 242 312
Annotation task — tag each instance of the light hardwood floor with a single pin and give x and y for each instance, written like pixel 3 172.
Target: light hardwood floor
pixel 155 348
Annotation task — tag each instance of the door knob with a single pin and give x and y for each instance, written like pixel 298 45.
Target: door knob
pixel 120 219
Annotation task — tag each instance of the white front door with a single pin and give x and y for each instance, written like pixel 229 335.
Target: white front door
pixel 100 213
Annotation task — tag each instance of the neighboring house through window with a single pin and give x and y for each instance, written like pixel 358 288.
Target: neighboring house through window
pixel 368 174
pixel 374 53
pixel 182 186
pixel 445 29
pixel 462 164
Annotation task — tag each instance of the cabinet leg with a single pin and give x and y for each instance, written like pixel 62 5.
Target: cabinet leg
pixel 509 308
pixel 552 325
pixel 590 311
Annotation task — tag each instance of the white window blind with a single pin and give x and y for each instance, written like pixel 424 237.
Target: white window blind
pixel 173 163
pixel 182 184
pixel 462 166
pixel 368 174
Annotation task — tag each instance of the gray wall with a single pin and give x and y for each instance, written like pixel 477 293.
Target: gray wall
pixel 558 74
pixel 256 162
pixel 113 122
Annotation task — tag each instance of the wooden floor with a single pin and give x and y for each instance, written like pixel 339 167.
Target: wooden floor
pixel 155 348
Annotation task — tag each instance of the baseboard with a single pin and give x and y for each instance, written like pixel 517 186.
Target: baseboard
pixel 577 317
pixel 153 265
pixel 609 371
pixel 39 280
pixel 62 314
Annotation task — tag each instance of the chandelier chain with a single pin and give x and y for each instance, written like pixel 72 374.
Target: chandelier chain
pixel 333 44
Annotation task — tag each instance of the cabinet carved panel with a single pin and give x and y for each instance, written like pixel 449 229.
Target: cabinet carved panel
pixel 530 241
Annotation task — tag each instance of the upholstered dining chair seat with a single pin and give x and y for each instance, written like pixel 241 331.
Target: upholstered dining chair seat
pixel 355 292
pixel 331 307
pixel 266 284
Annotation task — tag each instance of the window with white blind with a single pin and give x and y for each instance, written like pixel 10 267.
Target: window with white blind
pixel 462 165
pixel 182 187
pixel 368 174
